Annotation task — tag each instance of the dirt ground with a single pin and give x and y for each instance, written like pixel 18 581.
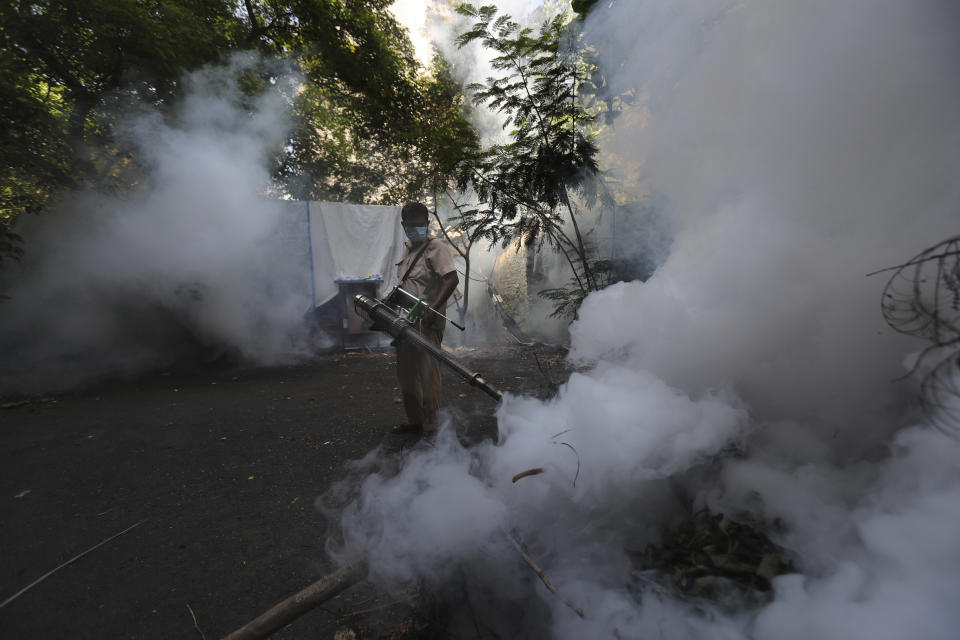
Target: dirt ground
pixel 219 470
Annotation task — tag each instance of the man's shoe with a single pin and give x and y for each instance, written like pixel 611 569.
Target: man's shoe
pixel 404 429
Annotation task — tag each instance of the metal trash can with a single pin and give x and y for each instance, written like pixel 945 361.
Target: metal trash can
pixel 354 333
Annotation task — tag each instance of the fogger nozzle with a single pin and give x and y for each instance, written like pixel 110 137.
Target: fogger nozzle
pixel 389 321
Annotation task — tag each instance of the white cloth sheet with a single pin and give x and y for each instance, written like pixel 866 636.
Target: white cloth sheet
pixel 351 241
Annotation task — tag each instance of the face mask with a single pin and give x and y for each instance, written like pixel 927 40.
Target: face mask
pixel 416 235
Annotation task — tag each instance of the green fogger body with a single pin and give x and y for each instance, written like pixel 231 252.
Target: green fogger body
pixel 385 318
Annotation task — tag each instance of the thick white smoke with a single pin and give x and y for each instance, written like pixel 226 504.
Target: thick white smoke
pixel 798 146
pixel 803 147
pixel 197 253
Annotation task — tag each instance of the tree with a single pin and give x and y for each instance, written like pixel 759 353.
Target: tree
pixel 67 67
pixel 369 126
pixel 450 153
pixel 528 183
pixel 415 156
pixel 353 51
pixel 462 239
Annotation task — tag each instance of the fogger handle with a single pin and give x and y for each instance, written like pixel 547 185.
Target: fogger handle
pixel 420 306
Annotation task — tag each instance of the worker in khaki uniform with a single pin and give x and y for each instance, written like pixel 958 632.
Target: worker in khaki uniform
pixel 427 272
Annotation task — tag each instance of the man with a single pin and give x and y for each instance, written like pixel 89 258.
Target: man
pixel 427 272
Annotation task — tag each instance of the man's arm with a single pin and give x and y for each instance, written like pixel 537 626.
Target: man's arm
pixel 447 287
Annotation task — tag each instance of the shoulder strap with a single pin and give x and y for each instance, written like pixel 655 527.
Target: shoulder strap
pixel 416 259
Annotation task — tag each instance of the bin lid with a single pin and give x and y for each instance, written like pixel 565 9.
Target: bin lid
pixel 370 278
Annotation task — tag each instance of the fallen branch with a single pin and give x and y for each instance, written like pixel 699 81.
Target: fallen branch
pixel 537 570
pixel 282 614
pixel 529 472
pixel 66 564
pixel 546 375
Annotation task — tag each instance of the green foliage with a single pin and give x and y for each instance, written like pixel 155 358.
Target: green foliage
pixel 551 150
pixel 354 50
pixel 545 90
pixel 370 127
pixel 582 7
pixel 66 66
pixel 447 142
pixel 567 300
pixel 336 155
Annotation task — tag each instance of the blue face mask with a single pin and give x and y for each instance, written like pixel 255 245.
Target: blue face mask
pixel 416 235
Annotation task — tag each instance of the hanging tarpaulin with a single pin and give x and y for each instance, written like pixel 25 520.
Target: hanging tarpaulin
pixel 350 241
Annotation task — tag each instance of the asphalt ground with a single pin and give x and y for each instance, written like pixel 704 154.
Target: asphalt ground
pixel 219 472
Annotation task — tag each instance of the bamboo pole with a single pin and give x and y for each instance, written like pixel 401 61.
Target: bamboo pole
pixel 282 614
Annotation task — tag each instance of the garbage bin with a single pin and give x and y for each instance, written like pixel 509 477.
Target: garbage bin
pixel 353 330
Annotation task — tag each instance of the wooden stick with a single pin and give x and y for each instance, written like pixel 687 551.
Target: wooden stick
pixel 528 472
pixel 537 570
pixel 282 614
pixel 195 625
pixel 545 374
pixel 66 564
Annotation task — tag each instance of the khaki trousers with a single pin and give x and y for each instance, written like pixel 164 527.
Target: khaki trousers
pixel 419 375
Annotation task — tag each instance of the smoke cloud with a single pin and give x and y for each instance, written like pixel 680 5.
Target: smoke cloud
pixel 797 147
pixel 195 256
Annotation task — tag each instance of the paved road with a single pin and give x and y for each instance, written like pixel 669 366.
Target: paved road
pixel 221 469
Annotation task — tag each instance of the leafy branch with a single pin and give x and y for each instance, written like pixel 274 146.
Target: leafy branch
pixel 528 183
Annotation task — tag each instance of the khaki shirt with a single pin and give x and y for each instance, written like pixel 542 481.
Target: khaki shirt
pixel 425 277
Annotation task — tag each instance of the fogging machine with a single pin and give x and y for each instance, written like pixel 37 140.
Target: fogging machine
pixel 401 324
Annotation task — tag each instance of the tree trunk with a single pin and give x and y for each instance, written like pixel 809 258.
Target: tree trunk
pixel 581 249
pixel 466 289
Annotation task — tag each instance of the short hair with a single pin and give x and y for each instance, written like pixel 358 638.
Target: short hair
pixel 414 210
